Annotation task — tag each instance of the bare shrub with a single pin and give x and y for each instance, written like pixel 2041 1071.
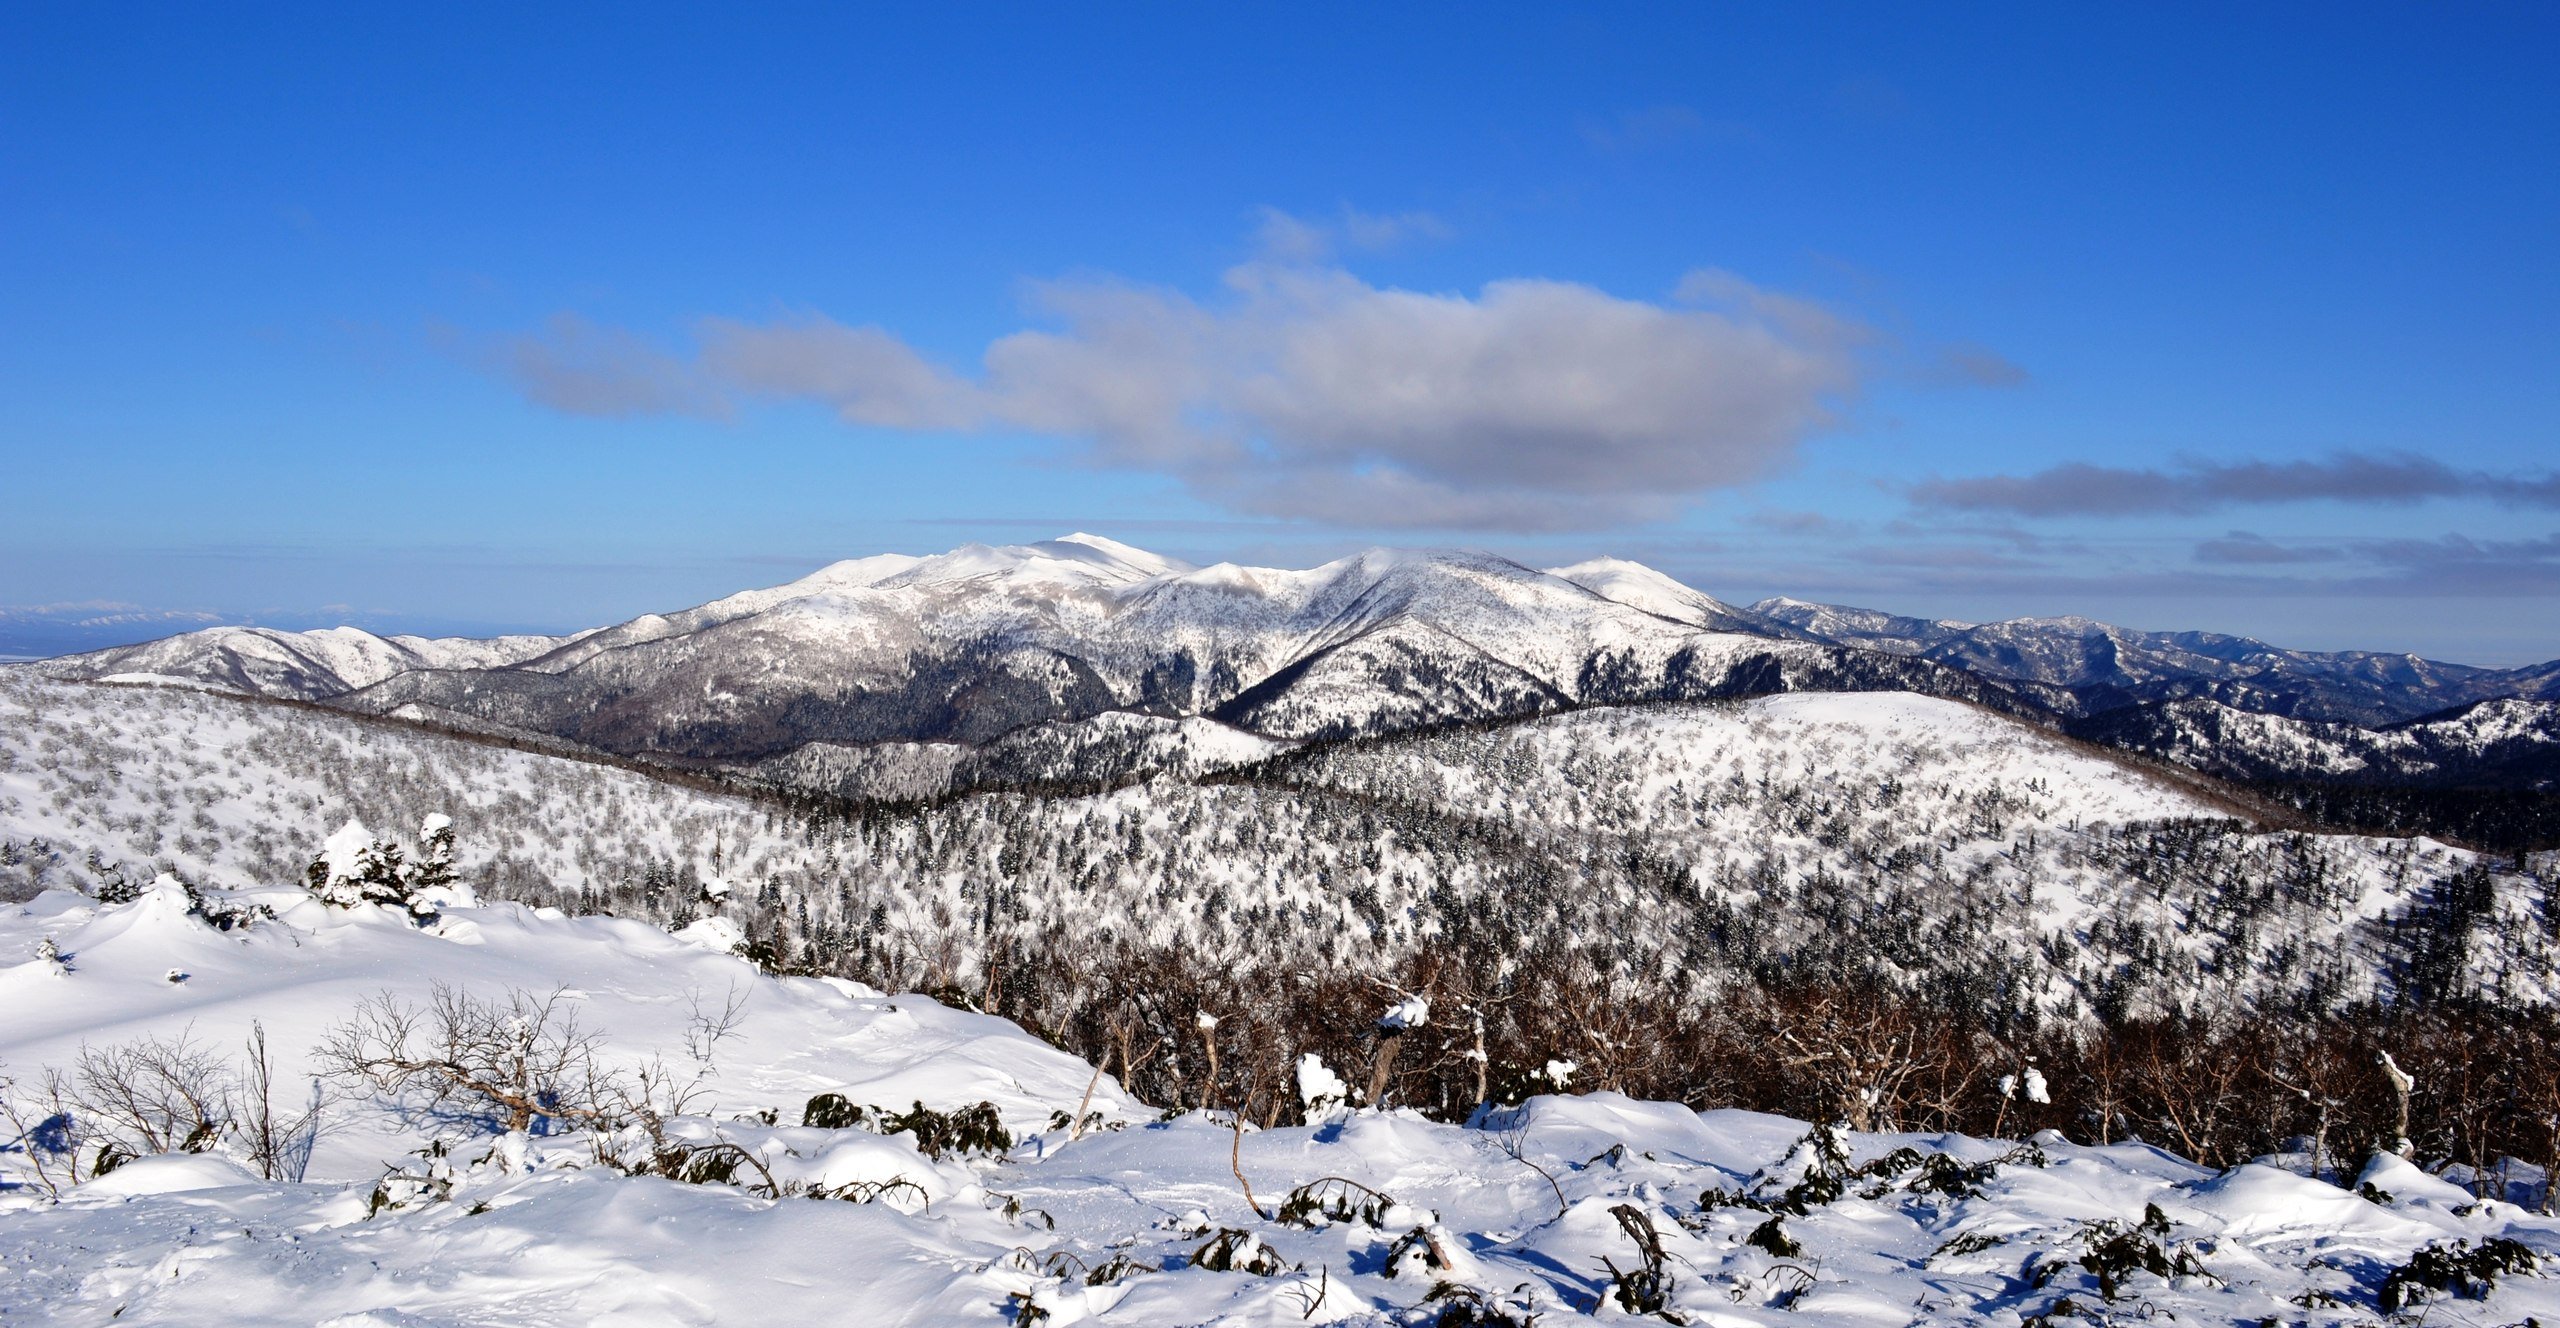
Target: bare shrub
pixel 42 1129
pixel 278 1140
pixel 509 1063
pixel 153 1094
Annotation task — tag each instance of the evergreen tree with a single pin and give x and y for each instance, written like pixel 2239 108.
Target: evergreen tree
pixel 434 867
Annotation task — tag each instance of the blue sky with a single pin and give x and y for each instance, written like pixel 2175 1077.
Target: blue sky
pixel 2219 317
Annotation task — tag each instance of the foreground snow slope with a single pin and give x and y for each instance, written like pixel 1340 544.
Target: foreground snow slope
pixel 147 966
pixel 1107 1228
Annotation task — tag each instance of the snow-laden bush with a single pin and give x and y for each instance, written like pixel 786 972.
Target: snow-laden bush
pixel 1236 1251
pixel 1320 1090
pixel 355 867
pixel 2457 1269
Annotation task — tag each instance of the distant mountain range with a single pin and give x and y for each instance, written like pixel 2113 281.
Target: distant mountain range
pixel 2106 668
pixel 1087 646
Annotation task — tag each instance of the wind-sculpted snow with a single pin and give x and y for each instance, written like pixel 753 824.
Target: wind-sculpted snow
pixel 306 969
pixel 1553 1209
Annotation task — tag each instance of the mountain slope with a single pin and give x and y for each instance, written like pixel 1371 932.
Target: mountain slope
pixel 1918 842
pixel 2509 743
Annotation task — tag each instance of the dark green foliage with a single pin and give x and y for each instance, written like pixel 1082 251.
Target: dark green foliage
pixel 1891 1164
pixel 434 868
pixel 938 1134
pixel 2117 1252
pixel 1816 1189
pixel 1115 1268
pixel 1772 1236
pixel 941 1134
pixel 2500 819
pixel 832 1111
pixel 2457 1269
pixel 1970 1242
pixel 1827 1171
pixel 114 887
pixel 2061 1309
pixel 1941 1174
pixel 1466 1307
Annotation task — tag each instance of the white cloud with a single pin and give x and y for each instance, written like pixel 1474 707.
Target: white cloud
pixel 1304 391
pixel 868 375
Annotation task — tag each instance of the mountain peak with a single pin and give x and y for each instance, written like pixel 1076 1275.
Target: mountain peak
pixel 1640 587
pixel 1068 561
pixel 1155 564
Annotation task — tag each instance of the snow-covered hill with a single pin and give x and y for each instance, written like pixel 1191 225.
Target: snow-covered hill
pixel 1913 840
pixel 111 781
pixel 302 666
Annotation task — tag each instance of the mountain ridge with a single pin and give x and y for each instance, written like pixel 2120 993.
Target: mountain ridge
pixel 983 641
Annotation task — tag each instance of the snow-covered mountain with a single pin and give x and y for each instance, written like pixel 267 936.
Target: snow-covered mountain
pixel 1083 658
pixel 297 666
pixel 2510 743
pixel 981 642
pixel 2107 668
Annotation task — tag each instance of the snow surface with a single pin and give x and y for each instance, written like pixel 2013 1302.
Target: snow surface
pixel 1524 1206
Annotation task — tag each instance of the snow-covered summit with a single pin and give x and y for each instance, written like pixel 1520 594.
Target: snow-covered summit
pixel 982 641
pixel 1638 586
